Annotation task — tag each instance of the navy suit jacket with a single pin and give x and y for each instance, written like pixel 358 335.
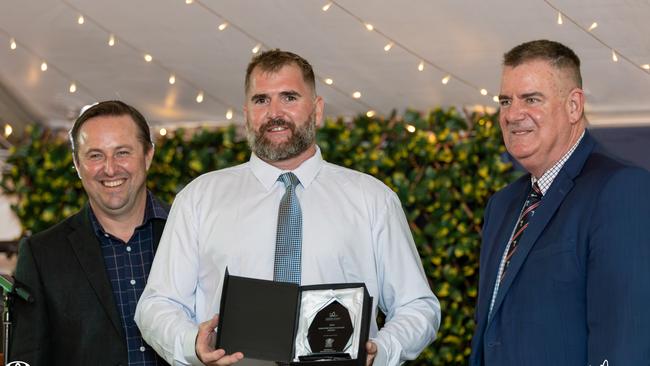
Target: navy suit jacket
pixel 577 290
pixel 74 319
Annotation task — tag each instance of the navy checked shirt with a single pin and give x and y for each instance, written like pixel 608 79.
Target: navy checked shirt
pixel 128 265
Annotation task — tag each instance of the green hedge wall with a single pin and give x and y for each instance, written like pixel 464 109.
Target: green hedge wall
pixel 444 172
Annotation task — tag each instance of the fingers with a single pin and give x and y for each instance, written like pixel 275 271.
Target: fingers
pixel 371 349
pixel 205 340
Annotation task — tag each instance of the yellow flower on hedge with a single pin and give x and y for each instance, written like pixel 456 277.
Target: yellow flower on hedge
pixel 196 165
pixel 467 188
pixel 483 171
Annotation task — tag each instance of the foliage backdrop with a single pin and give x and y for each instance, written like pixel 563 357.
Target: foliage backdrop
pixel 443 171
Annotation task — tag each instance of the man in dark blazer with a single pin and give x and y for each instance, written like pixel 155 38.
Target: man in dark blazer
pixel 565 259
pixel 87 273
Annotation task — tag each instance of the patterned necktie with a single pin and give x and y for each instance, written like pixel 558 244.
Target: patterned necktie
pixel 532 202
pixel 288 239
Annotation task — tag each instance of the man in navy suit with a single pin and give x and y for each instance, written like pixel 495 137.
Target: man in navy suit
pixel 565 271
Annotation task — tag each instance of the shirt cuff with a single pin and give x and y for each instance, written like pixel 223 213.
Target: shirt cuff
pixel 388 353
pixel 189 347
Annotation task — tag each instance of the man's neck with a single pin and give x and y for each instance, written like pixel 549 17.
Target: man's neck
pixel 123 225
pixel 296 161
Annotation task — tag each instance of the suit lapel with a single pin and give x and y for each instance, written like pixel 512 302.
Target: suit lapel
pixel 86 247
pixel 553 198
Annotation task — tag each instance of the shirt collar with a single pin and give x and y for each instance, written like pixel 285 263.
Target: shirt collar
pixel 548 177
pixel 152 210
pixel 268 174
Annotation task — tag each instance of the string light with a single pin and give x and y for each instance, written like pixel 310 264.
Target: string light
pixel 148 57
pixel 445 80
pixel 73 88
pixel 199 97
pixel 188 2
pixel 495 99
pixel 614 56
pixel 12 44
pixel 8 130
pixel 559 18
pixel 329 81
pixel 111 40
pixel 327 6
pixel 163 131
pixel 356 95
pixel 421 66
pixel 44 66
pixel 223 26
pixel 81 20
pixel 256 49
pixel 645 66
pixel 483 92
pixel 370 113
pixel 388 46
pixel 369 27
pixel 229 114
pixel 593 26
pixel 172 79
pixel 410 128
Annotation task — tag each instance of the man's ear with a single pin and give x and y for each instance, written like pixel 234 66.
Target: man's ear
pixel 575 105
pixel 148 156
pixel 318 110
pixel 76 164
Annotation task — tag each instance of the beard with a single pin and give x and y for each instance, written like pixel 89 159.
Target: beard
pixel 302 137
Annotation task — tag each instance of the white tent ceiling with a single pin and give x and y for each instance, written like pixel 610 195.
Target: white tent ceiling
pixel 461 38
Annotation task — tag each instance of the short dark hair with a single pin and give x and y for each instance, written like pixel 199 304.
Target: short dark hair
pixel 274 60
pixel 111 108
pixel 558 55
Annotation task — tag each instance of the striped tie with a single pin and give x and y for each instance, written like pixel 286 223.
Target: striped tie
pixel 288 239
pixel 532 202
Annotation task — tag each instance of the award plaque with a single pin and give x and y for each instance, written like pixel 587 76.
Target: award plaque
pixel 331 329
pixel 313 325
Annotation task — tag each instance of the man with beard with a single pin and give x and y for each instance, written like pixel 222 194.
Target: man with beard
pixel 351 228
pixel 86 273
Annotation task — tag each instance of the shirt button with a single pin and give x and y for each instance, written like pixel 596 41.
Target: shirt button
pixel 128 249
pixel 133 282
pixel 142 349
pixel 106 235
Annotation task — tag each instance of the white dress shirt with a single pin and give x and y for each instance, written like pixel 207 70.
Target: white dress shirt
pixel 354 230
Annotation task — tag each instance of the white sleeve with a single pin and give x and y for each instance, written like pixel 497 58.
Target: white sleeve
pixel 412 310
pixel 166 312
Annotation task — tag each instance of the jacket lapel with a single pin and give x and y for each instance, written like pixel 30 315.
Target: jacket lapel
pixel 553 198
pixel 86 247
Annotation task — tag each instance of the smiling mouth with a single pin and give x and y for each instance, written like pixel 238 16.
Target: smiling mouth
pixel 277 128
pixel 113 183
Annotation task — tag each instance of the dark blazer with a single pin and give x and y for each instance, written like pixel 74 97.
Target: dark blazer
pixel 577 291
pixel 74 319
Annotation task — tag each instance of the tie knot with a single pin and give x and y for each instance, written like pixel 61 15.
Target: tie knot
pixel 536 192
pixel 289 179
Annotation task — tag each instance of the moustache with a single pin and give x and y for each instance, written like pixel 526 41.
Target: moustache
pixel 276 122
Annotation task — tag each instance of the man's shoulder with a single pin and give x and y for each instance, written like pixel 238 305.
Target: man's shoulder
pixel 218 177
pixel 345 176
pixel 57 232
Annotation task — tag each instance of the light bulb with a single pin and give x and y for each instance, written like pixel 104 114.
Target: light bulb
pixel 614 56
pixel 329 81
pixel 223 26
pixel 388 46
pixel 111 40
pixel 8 130
pixel 559 18
pixel 12 44
pixel 172 79
pixel 229 114
pixel 495 99
pixel 410 128
pixel 446 79
pixel 483 92
pixel 370 114
pixel 356 95
pixel 81 20
pixel 44 66
pixel 369 27
pixel 327 6
pixel 593 26
pixel 421 66
pixel 73 88
pixel 199 97
pixel 148 57
pixel 256 49
pixel 163 131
